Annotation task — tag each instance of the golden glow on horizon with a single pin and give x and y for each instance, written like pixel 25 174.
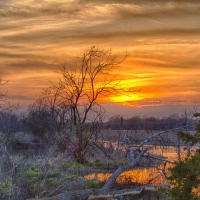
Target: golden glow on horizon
pixel 126 98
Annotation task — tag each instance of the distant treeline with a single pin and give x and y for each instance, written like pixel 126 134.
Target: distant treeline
pixel 40 122
pixel 147 123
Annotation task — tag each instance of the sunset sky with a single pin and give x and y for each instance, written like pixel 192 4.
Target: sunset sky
pixel 161 37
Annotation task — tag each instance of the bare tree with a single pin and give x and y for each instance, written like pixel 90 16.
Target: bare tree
pixel 79 89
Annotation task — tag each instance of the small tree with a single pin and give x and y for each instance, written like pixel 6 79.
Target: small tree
pixel 80 87
pixel 39 120
pixel 185 175
pixel 185 178
pixel 47 116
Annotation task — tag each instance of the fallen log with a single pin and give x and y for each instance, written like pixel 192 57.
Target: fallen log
pixel 91 194
pixel 120 193
pixel 72 195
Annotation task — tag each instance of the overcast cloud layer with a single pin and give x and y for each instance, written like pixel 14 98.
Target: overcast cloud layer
pixel 162 37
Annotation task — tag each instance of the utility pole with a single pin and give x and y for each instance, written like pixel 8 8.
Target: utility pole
pixel 186 124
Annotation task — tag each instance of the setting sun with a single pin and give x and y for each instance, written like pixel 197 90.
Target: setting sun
pixel 162 64
pixel 128 99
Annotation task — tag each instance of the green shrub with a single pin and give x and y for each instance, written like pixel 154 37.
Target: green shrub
pixel 92 184
pixel 32 176
pixel 98 164
pixel 52 182
pixel 65 166
pixel 51 175
pixel 6 186
pixel 37 182
pixel 74 177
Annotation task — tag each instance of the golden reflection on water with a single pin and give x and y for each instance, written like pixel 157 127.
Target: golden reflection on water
pixel 142 175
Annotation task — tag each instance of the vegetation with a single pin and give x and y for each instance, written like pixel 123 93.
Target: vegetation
pixel 184 178
pixel 185 175
pixel 92 185
pixel 62 139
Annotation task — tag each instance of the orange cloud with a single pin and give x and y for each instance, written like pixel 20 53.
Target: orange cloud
pixel 161 38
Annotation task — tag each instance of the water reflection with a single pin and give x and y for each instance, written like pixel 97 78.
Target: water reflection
pixel 144 175
pixel 140 175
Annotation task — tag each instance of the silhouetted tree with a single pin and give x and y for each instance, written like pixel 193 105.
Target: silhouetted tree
pixel 70 107
pixel 80 87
